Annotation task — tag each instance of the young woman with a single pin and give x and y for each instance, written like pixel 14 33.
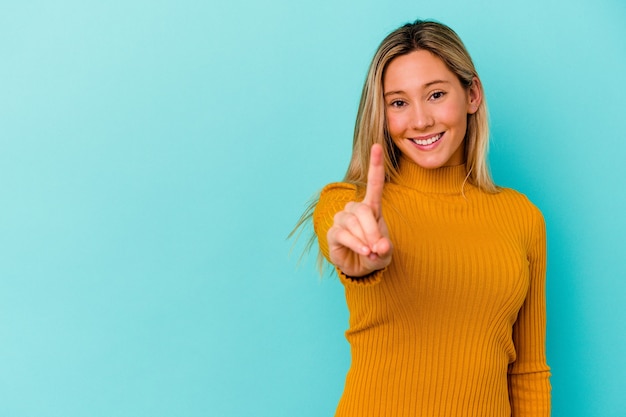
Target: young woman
pixel 444 272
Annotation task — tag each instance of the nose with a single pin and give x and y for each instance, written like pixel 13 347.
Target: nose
pixel 421 117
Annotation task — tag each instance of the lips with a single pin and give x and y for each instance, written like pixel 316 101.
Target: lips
pixel 427 141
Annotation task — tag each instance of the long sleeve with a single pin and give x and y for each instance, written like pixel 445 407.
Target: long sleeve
pixel 529 385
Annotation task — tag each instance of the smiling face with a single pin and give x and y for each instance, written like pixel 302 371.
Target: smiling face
pixel 426 109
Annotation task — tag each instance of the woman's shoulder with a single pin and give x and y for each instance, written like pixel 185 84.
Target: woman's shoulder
pixel 333 198
pixel 517 201
pixel 339 191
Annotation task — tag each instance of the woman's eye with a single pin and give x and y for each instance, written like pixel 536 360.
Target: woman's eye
pixel 437 95
pixel 398 103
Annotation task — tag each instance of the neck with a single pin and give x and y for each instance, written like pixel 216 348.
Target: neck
pixel 443 180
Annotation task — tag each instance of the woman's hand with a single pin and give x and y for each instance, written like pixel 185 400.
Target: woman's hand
pixel 358 240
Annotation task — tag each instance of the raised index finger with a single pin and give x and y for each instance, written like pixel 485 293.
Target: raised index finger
pixel 375 180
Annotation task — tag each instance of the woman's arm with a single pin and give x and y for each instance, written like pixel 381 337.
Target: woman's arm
pixel 529 375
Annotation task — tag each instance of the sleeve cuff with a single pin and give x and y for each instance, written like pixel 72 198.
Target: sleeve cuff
pixel 367 280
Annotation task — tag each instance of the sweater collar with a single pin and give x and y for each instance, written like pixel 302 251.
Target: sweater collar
pixel 444 180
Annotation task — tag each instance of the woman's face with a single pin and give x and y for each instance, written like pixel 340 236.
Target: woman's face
pixel 426 109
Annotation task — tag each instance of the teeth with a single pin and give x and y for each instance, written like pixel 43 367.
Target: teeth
pixel 424 142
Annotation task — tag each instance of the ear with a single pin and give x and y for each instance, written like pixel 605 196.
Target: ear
pixel 474 96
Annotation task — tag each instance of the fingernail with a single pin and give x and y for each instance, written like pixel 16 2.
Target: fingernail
pixel 365 250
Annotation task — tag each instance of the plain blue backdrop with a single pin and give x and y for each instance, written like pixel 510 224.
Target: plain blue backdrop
pixel 154 155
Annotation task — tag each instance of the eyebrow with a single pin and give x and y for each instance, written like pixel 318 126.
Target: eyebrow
pixel 428 84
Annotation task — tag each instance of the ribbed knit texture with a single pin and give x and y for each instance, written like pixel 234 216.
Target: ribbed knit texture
pixel 455 325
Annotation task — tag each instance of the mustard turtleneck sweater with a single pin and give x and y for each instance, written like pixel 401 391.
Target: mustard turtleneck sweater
pixel 455 325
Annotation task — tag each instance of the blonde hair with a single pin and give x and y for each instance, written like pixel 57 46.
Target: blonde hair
pixel 371 127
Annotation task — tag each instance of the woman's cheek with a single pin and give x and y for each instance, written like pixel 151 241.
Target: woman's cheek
pixel 395 125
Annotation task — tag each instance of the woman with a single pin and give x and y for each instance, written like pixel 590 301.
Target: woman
pixel 444 272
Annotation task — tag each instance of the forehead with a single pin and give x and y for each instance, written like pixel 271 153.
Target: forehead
pixel 417 68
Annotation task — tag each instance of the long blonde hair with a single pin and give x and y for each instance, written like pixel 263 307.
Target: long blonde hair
pixel 370 126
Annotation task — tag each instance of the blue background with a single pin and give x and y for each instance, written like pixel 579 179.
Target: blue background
pixel 155 154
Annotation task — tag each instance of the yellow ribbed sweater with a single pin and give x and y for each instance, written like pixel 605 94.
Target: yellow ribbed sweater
pixel 455 325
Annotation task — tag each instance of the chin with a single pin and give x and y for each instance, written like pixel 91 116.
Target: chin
pixel 430 164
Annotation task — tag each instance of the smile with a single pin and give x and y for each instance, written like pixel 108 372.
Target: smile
pixel 429 141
